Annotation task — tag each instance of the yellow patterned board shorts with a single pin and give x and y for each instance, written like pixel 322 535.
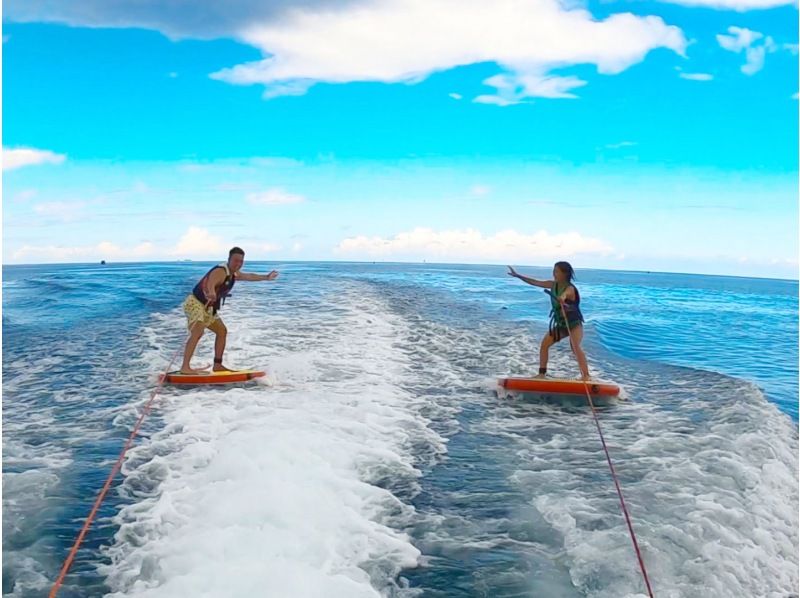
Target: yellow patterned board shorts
pixel 197 312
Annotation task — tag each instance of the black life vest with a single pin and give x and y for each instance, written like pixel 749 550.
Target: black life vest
pixel 222 290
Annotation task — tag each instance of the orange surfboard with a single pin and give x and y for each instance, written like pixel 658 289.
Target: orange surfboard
pixel 559 386
pixel 212 377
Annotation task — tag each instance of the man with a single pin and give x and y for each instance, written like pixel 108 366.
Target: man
pixel 205 300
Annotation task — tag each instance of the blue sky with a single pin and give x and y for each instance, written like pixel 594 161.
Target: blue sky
pixel 648 135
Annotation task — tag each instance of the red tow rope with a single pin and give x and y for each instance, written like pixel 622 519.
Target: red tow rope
pixel 611 467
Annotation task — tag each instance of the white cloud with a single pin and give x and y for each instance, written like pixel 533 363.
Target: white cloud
pixel 407 40
pixel 470 244
pixel 23 156
pixel 456 96
pixel 754 45
pixel 795 95
pixel 737 5
pixel 495 100
pixel 195 243
pixel 621 144
pixel 198 242
pixel 105 250
pixel 278 89
pixel 513 89
pixel 297 246
pixel 274 197
pixel 755 60
pixel 697 76
pixel 739 39
pixel 143 249
pixel 793 263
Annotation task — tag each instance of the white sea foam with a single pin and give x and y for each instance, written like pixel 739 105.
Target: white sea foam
pixel 283 490
pixel 714 505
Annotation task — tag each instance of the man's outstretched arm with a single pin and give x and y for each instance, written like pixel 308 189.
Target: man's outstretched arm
pixel 254 277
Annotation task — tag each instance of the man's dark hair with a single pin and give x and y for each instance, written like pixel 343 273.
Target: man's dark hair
pixel 235 251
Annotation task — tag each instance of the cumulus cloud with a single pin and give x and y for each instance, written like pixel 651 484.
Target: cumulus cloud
pixel 274 197
pixel 697 76
pixel 407 40
pixel 144 249
pixel 198 242
pixel 14 158
pixel 339 41
pixel 469 244
pixel 754 45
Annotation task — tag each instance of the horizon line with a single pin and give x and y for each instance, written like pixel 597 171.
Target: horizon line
pixel 413 263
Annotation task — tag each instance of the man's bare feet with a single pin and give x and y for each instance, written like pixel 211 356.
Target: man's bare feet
pixel 540 376
pixel 189 371
pixel 218 367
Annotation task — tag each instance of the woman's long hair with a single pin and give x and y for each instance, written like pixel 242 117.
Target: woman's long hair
pixel 567 269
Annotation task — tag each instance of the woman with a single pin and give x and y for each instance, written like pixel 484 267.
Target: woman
pixel 563 294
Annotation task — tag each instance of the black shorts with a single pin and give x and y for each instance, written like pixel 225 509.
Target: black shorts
pixel 560 332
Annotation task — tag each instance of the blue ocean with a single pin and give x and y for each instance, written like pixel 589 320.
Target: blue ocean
pixel 377 459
